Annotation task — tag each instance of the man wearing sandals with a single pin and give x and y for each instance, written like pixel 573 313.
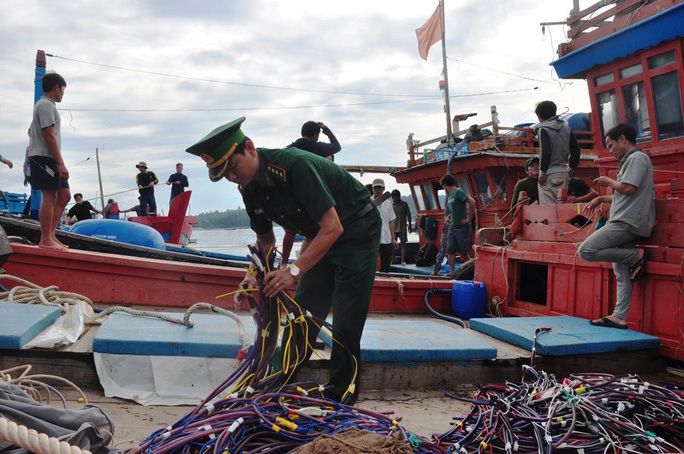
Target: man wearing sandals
pixel 632 215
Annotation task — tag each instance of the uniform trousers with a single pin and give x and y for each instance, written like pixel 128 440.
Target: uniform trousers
pixel 343 280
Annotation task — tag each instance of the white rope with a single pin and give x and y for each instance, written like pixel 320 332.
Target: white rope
pixel 30 293
pixel 139 313
pixel 33 441
pixel 246 341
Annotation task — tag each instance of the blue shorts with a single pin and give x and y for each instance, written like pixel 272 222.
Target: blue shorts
pixel 460 239
pixel 44 174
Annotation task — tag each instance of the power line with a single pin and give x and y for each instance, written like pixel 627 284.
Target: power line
pixel 502 72
pixel 242 109
pixel 241 84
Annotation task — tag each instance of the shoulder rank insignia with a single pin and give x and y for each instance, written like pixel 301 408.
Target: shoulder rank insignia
pixel 276 171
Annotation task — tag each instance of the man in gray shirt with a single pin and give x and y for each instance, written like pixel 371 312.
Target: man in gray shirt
pixel 49 174
pixel 632 215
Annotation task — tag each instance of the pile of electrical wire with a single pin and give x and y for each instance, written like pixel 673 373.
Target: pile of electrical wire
pixel 585 413
pixel 257 409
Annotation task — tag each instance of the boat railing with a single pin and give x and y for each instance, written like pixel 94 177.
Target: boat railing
pixel 503 138
pixel 605 18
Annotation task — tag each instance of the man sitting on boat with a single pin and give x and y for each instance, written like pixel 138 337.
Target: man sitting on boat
pixel 309 194
pixel 632 216
pixel 474 133
pixel 528 185
pixel 81 210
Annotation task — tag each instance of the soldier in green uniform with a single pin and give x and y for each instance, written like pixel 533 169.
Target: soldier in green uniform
pixel 316 198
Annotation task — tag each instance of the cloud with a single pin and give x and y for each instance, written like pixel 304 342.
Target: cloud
pixel 146 79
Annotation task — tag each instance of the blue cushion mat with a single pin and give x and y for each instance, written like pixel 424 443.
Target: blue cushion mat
pixel 413 340
pixel 212 336
pixel 19 323
pixel 568 335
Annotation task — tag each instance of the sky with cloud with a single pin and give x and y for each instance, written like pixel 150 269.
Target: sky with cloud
pixel 146 79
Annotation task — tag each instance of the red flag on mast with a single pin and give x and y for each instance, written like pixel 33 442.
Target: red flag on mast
pixel 429 33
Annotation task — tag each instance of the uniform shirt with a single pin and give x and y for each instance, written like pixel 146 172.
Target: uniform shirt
pixel 177 189
pixel 81 211
pixel 637 211
pixel 458 208
pixel 44 115
pixel 296 188
pixel 144 179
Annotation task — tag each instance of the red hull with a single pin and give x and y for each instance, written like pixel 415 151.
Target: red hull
pixel 118 279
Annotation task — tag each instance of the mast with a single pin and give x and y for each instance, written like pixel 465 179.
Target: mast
pixel 99 177
pixel 37 195
pixel 447 108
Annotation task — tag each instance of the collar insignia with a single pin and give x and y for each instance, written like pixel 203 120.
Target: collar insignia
pixel 276 171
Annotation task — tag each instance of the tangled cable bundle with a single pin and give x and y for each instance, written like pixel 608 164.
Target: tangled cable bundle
pixel 22 436
pixel 36 388
pixel 588 413
pixel 255 409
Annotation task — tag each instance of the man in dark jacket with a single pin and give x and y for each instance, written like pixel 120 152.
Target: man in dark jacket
pixel 311 131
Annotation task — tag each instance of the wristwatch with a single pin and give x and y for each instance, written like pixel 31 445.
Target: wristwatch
pixel 294 270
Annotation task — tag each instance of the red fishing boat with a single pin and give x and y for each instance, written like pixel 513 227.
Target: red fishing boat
pixel 630 53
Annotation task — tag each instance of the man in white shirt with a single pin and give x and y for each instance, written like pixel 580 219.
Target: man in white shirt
pixel 388 242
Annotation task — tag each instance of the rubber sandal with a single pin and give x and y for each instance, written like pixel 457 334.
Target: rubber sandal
pixel 607 323
pixel 637 269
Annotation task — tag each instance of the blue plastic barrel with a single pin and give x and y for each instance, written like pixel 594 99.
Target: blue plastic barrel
pixel 469 299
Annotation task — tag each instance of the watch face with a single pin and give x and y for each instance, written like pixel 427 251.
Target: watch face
pixel 294 270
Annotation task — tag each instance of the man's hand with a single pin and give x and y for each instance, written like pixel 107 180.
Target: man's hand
pixel 542 180
pixel 590 207
pixel 248 282
pixel 63 171
pixel 277 281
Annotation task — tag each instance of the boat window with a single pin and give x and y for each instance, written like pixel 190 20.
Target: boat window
pixel 500 178
pixel 429 197
pixel 463 184
pixel 604 79
pixel 483 189
pixel 667 105
pixel 418 197
pixel 608 110
pixel 634 70
pixel 634 96
pixel 441 198
pixel 661 59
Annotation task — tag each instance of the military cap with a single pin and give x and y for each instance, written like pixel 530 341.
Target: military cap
pixel 218 146
pixel 141 164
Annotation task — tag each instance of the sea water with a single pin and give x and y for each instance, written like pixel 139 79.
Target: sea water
pixel 231 241
pixel 235 241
